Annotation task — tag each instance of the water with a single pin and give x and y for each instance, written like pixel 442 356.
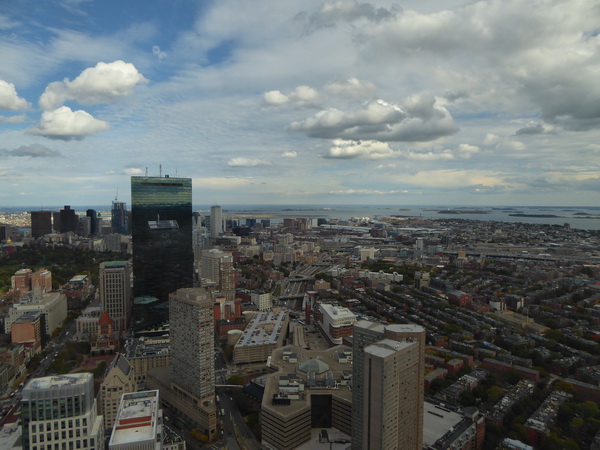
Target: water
pixel 580 217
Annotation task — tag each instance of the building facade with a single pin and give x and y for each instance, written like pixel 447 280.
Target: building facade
pixel 163 259
pixel 60 412
pixel 387 386
pixel 41 223
pixel 216 221
pixel 118 218
pixel 118 380
pixel 115 292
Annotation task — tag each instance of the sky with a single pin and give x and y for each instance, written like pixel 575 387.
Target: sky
pixel 429 102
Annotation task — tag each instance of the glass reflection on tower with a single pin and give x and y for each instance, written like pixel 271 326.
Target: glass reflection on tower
pixel 163 259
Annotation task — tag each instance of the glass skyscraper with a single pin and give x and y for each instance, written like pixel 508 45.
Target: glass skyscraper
pixel 163 258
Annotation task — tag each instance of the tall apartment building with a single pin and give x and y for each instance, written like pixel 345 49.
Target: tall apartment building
pixel 188 385
pixel 138 425
pixel 217 267
pixel 216 221
pixel 192 361
pixel 115 292
pixel 41 223
pixel 262 300
pixel 387 386
pixel 59 412
pixel 118 380
pixel 163 259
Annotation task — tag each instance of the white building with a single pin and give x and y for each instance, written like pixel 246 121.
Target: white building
pixel 59 412
pixel 52 305
pixel 337 322
pixel 138 425
pixel 216 221
pixel 262 301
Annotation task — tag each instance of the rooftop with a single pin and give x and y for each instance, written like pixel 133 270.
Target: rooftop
pixel 137 418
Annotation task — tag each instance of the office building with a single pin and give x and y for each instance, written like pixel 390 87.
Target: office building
pixel 216 222
pixel 41 223
pixel 310 389
pixel 217 267
pixel 336 322
pixel 387 386
pixel 52 306
pixel 68 220
pixel 163 259
pixel 93 215
pixel 188 385
pixel 118 218
pixel 262 300
pixel 138 425
pixel 118 380
pixel 115 292
pixel 59 412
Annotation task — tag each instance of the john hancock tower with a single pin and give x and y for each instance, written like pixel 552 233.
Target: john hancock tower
pixel 163 258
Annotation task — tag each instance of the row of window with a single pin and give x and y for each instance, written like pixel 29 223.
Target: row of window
pixel 71 445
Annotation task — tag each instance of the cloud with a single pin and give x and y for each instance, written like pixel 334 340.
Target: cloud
pixel 302 96
pixel 421 120
pixel 536 128
pixel 346 11
pixel 351 87
pixel 33 151
pixel 65 124
pixel 290 154
pixel 9 100
pixel 160 55
pixel 132 171
pixel 103 83
pixel 341 149
pixel 367 191
pixel 13 119
pixel 246 162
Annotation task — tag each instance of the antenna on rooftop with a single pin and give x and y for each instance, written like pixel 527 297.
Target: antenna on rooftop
pixel 160 170
pixel 117 195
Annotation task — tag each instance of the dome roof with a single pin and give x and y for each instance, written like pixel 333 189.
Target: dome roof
pixel 314 365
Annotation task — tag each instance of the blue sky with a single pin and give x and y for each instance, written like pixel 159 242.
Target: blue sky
pixel 271 102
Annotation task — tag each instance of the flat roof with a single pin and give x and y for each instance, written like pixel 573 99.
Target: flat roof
pixel 264 328
pixel 137 418
pixel 55 381
pixel 437 421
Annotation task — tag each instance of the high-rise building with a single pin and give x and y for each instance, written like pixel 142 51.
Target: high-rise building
pixel 93 215
pixel 68 220
pixel 192 341
pixel 138 425
pixel 41 223
pixel 387 386
pixel 163 259
pixel 216 221
pixel 217 266
pixel 59 412
pixel 188 384
pixel 119 218
pixel 115 292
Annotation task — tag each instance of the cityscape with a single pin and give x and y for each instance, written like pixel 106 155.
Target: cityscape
pixel 327 224
pixel 155 325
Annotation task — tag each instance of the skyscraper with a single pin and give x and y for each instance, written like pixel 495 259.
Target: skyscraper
pixel 115 292
pixel 119 218
pixel 192 352
pixel 216 221
pixel 387 386
pixel 163 259
pixel 59 412
pixel 41 223
pixel 93 215
pixel 68 220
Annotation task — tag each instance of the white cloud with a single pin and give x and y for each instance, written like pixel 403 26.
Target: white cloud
pixel 65 124
pixel 352 87
pixel 302 96
pixel 103 83
pixel 421 120
pixel 246 162
pixel 160 55
pixel 13 119
pixel 346 11
pixel 133 171
pixel 289 154
pixel 536 128
pixel 9 100
pixel 33 151
pixel 341 149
